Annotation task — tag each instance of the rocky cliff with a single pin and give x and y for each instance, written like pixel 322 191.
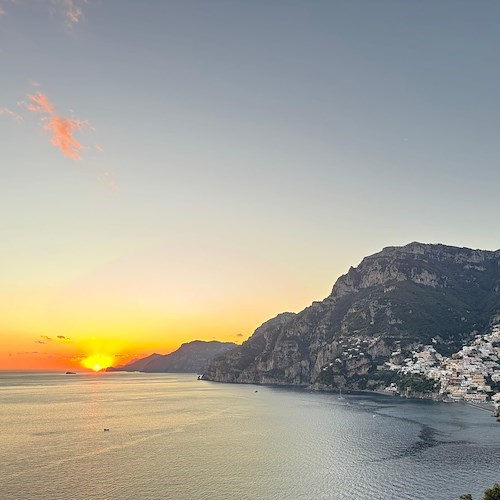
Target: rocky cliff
pixel 192 357
pixel 393 301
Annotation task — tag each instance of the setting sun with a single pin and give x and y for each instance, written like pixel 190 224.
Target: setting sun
pixel 98 362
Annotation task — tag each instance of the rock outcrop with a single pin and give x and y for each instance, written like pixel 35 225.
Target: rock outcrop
pixel 393 301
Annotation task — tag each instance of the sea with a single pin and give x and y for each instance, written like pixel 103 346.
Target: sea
pixel 172 436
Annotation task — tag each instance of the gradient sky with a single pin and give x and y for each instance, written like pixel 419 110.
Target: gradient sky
pixel 186 170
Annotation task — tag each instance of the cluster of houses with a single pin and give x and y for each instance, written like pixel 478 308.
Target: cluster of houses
pixel 468 375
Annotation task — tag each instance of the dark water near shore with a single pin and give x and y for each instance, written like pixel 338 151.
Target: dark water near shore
pixel 174 437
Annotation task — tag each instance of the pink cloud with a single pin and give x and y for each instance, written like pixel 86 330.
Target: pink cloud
pixel 110 180
pixel 15 2
pixel 41 105
pixel 70 10
pixel 61 128
pixel 12 114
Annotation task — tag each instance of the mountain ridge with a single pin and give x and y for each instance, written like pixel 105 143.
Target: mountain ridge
pixel 392 301
pixel 191 357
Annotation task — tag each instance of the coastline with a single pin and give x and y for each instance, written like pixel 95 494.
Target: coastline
pixel 489 407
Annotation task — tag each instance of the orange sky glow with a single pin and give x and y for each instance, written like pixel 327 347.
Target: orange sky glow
pixel 168 176
pixel 73 328
pixel 80 311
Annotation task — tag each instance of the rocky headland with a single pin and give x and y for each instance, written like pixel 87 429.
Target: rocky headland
pixel 377 316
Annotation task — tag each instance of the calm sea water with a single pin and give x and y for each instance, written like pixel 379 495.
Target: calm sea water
pixel 173 437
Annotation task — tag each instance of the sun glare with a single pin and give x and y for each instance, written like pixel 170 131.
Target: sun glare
pixel 98 362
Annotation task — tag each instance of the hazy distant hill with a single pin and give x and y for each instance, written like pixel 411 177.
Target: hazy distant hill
pixel 137 365
pixel 192 357
pixel 393 301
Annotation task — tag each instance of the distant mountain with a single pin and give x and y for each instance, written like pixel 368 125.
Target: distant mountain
pixel 395 300
pixel 137 365
pixel 192 357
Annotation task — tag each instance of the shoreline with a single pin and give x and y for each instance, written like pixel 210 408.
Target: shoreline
pixel 488 407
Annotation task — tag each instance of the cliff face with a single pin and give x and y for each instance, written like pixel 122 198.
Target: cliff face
pixel 192 357
pixel 393 301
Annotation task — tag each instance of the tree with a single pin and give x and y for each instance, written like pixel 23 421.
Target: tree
pixel 492 493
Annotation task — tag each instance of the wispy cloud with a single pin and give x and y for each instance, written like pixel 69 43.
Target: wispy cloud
pixel 109 180
pixel 61 338
pixel 3 3
pixel 70 10
pixel 61 128
pixel 12 114
pixel 62 131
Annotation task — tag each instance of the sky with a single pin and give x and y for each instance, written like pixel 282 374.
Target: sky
pixel 185 170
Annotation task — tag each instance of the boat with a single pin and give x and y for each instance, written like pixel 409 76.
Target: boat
pixel 70 373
